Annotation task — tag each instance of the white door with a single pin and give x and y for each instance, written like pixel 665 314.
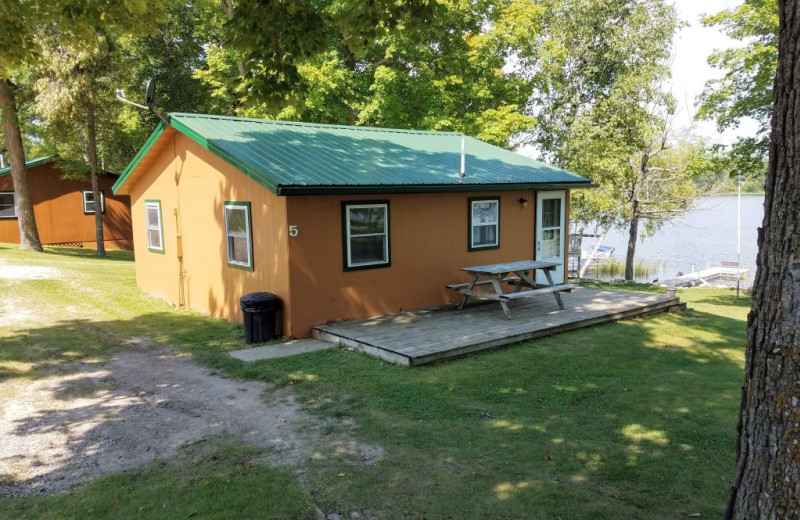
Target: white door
pixel 550 216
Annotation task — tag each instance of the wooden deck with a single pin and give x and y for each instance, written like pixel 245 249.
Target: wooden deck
pixel 426 335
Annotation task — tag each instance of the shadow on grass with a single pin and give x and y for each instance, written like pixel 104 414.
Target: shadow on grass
pixel 78 252
pixel 86 253
pixel 727 299
pixel 39 352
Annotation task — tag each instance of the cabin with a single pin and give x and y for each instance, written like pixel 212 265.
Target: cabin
pixel 340 222
pixel 64 207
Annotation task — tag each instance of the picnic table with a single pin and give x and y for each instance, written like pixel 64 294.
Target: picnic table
pixel 519 274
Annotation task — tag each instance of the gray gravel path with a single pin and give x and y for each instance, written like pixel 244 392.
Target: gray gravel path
pixel 62 431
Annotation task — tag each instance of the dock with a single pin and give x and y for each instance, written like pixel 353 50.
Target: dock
pixel 725 272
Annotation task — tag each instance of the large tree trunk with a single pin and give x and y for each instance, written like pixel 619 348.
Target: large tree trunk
pixel 91 145
pixel 28 233
pixel 767 482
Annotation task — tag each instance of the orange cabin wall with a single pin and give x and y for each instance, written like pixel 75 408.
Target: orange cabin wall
pixel 428 246
pixel 192 185
pixel 58 210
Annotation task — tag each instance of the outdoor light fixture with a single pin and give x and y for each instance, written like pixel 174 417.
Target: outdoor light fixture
pixel 523 201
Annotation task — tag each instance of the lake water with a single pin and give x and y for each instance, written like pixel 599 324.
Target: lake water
pixel 702 237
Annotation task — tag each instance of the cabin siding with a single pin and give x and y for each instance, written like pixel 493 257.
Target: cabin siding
pixel 58 210
pixel 192 185
pixel 428 244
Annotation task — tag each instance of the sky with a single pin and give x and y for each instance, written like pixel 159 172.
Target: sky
pixel 690 69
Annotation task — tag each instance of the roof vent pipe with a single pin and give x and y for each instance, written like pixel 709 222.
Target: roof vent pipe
pixel 463 159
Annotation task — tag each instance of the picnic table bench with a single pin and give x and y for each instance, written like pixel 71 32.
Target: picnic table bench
pixel 520 274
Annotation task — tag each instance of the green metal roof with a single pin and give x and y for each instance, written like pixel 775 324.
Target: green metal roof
pixel 29 164
pixel 303 158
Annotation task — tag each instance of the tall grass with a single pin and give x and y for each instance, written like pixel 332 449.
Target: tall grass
pixel 608 269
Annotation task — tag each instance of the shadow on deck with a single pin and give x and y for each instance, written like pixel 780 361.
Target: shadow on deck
pixel 427 335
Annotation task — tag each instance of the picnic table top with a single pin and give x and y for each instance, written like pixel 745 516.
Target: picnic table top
pixel 510 267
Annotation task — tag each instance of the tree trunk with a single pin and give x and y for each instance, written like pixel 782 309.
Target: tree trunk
pixel 91 146
pixel 767 481
pixel 636 215
pixel 633 234
pixel 28 233
pixel 227 6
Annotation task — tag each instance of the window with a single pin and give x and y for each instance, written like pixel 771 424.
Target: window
pixel 155 229
pixel 238 234
pixel 88 202
pixel 7 207
pixel 366 235
pixel 484 223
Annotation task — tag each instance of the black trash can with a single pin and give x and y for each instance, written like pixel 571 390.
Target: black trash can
pixel 260 311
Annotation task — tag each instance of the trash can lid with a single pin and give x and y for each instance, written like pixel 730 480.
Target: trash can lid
pixel 259 301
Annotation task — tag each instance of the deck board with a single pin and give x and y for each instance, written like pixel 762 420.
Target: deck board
pixel 427 335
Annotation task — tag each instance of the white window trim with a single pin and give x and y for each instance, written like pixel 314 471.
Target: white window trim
pixel 159 228
pixel 385 234
pixel 14 198
pixel 473 225
pixel 102 202
pixel 247 235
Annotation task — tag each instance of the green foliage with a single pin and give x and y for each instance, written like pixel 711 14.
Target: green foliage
pixel 587 53
pixel 273 39
pixel 76 22
pixel 446 73
pixel 552 72
pixel 598 96
pixel 718 167
pixel 67 58
pixel 745 90
pixel 420 65
pixel 69 81
pixel 167 52
pixel 16 20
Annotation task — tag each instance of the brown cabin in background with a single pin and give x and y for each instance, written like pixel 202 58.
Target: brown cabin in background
pixel 64 208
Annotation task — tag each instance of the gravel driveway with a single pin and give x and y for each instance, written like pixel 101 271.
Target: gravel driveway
pixel 59 432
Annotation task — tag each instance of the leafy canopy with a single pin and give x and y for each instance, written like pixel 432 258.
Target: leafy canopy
pixel 435 66
pixel 745 90
pixel 75 20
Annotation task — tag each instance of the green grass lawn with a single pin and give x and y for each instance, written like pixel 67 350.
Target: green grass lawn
pixel 634 419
